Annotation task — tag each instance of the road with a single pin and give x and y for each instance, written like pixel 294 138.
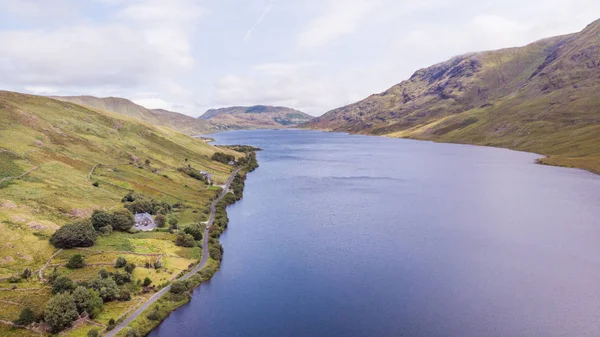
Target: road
pixel 191 273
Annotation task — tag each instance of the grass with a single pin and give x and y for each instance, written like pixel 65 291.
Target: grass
pixel 65 141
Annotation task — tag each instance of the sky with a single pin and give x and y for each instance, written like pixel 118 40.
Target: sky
pixel 312 55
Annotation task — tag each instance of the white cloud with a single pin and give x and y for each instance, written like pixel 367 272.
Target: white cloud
pixel 342 17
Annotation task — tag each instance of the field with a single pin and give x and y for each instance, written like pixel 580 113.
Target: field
pixel 59 163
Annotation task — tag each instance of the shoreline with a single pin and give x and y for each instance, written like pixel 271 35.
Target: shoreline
pixel 165 301
pixel 545 159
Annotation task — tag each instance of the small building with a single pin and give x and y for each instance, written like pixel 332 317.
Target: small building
pixel 143 220
pixel 231 162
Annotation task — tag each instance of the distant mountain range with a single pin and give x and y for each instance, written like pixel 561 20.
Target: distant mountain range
pixel 543 97
pixel 159 117
pixel 254 117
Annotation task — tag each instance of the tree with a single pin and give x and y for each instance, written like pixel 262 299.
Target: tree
pixel 62 284
pixel 79 234
pixel 87 300
pixel 173 222
pixel 185 240
pixel 147 282
pixel 26 274
pixel 178 287
pixel 194 230
pixel 160 219
pixel 76 262
pixel 60 311
pixel 106 287
pixel 122 220
pixel 121 262
pixel 26 317
pixel 101 219
pixel 93 333
pixel 129 268
pixel 111 324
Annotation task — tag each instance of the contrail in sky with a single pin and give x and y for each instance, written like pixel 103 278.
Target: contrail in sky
pixel 260 19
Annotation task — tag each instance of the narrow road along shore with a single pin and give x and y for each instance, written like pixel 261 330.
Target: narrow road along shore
pixel 191 273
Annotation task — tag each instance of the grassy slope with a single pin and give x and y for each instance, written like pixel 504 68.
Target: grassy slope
pixel 64 141
pixel 176 121
pixel 543 98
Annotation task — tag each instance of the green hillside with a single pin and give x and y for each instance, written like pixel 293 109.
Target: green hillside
pixel 59 162
pixel 544 98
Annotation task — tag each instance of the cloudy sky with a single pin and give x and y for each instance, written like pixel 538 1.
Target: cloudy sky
pixel 313 55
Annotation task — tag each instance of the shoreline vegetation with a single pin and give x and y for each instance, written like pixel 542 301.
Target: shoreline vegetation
pixel 180 291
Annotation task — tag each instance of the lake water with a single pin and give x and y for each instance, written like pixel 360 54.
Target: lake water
pixel 345 235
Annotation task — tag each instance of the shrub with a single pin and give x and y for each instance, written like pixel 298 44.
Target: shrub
pixel 147 282
pixel 101 219
pixel 14 279
pixel 60 311
pixel 178 287
pixel 160 219
pixel 173 223
pixel 157 265
pixel 26 274
pixel 122 220
pixel 103 273
pixel 121 262
pixel 62 284
pixel 106 230
pixel 121 278
pixel 129 268
pixel 194 230
pixel 106 288
pixel 215 253
pixel 222 157
pixel 80 234
pixel 26 317
pixel 154 315
pixel 87 300
pixel 96 184
pixel 132 333
pixel 125 296
pixel 93 333
pixel 76 262
pixel 111 324
pixel 185 240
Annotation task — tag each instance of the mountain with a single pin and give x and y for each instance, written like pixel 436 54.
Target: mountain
pixel 174 120
pixel 59 161
pixel 255 117
pixel 543 97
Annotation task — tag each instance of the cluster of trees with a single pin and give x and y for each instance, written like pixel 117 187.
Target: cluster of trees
pixel 84 233
pixel 222 157
pixel 190 235
pixel 72 300
pixel 137 203
pixel 192 172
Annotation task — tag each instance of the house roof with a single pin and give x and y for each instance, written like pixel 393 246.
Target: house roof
pixel 142 216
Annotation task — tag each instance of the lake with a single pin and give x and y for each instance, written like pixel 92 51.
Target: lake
pixel 347 235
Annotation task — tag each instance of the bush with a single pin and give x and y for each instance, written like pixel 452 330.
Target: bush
pixel 147 282
pixel 14 279
pixel 106 288
pixel 215 253
pixel 26 274
pixel 154 315
pixel 194 230
pixel 93 333
pixel 101 219
pixel 80 234
pixel 160 219
pixel 76 262
pixel 185 240
pixel 26 317
pixel 106 230
pixel 87 300
pixel 222 157
pixel 121 262
pixel 62 284
pixel 125 296
pixel 129 268
pixel 111 324
pixel 122 220
pixel 103 273
pixel 178 287
pixel 121 278
pixel 132 333
pixel 96 184
pixel 173 223
pixel 60 311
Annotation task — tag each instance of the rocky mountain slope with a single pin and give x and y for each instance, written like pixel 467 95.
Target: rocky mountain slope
pixel 174 120
pixel 543 97
pixel 255 117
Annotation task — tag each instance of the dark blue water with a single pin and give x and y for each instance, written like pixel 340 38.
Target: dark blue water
pixel 341 235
